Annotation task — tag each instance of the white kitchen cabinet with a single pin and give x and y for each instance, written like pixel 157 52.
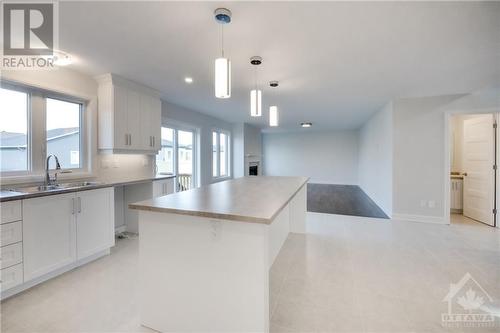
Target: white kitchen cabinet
pixel 129 116
pixel 11 255
pixel 94 221
pixel 60 229
pixel 11 277
pixel 11 211
pixel 163 187
pixel 49 234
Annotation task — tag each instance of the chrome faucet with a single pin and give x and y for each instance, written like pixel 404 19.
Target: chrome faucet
pixel 48 179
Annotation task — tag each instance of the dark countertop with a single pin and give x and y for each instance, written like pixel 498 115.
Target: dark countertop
pixel 7 195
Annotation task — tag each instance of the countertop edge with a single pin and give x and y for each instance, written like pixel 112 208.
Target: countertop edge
pixel 221 216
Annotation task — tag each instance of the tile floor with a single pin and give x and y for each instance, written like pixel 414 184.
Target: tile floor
pixel 348 274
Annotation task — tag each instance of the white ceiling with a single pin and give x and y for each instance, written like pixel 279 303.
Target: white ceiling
pixel 337 62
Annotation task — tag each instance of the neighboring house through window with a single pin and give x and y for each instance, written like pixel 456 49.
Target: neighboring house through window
pixel 32 120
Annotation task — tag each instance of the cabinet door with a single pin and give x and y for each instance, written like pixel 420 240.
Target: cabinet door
pixel 94 221
pixel 134 120
pixel 120 117
pixel 158 188
pixel 155 129
pixel 49 234
pixel 146 135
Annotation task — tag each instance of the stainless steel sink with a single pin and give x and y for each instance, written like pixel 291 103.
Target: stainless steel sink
pixel 55 187
pixel 78 184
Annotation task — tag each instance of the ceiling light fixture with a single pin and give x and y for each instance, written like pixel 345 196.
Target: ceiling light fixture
pixel 222 64
pixel 188 79
pixel 306 125
pixel 61 58
pixel 273 110
pixel 256 94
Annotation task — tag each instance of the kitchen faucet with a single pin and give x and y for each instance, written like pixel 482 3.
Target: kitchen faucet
pixel 48 180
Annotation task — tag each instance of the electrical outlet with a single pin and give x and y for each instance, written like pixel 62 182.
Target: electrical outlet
pixel 215 227
pixel 423 203
pixel 432 203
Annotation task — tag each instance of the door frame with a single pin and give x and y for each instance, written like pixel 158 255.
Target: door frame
pixel 447 157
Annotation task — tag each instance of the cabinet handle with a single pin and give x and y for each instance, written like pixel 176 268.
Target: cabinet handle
pixel 154 141
pixel 126 139
pixel 72 206
pixel 151 141
pixel 79 205
pixel 130 139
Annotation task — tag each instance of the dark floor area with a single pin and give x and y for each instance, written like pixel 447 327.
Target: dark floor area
pixel 341 199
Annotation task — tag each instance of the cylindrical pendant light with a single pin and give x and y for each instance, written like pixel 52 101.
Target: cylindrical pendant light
pixel 256 94
pixel 222 78
pixel 273 116
pixel 256 103
pixel 273 110
pixel 222 64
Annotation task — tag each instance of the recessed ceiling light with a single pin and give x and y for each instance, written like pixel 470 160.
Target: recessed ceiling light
pixel 306 124
pixel 188 79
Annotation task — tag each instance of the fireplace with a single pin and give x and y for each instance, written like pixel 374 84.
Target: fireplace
pixel 253 168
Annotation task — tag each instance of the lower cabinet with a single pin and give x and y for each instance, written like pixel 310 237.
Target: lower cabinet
pixel 163 187
pixel 94 222
pixel 60 229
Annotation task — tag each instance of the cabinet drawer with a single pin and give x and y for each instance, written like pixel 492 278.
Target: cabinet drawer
pixel 11 233
pixel 11 276
pixel 11 255
pixel 11 211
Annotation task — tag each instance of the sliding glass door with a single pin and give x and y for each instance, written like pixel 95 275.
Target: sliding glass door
pixel 177 156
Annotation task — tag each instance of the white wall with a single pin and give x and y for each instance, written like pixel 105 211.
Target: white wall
pixel 325 156
pixel 419 158
pixel 177 115
pixel 106 167
pixel 375 158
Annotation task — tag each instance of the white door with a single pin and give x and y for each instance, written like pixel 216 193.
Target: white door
pixel 94 221
pixel 49 235
pixel 479 152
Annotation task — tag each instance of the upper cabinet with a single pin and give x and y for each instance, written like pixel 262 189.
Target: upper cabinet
pixel 129 116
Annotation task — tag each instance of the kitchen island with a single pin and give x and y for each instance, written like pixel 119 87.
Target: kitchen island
pixel 205 253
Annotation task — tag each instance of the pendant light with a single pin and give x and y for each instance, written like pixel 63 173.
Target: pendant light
pixel 222 64
pixel 256 94
pixel 273 110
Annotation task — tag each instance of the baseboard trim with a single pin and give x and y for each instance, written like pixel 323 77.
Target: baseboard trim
pixel 418 218
pixel 120 229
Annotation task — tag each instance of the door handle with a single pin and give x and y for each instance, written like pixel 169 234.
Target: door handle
pixel 79 205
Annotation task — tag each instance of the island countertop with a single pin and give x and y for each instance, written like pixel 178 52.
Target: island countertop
pixel 248 199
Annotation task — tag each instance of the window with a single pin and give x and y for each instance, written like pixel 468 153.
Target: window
pixel 32 122
pixel 63 132
pixel 220 154
pixel 14 129
pixel 176 156
pixel 164 159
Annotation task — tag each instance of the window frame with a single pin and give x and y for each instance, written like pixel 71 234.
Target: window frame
pixel 37 133
pixel 29 146
pixel 218 176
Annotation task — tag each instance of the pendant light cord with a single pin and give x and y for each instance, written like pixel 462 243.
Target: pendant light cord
pixel 222 38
